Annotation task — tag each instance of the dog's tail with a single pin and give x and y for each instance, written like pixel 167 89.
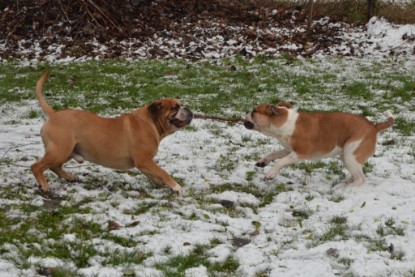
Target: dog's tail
pixel 389 122
pixel 43 104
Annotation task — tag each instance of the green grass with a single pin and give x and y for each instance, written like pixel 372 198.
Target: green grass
pixel 110 86
pixel 358 90
pixel 265 197
pixel 338 220
pixel 336 198
pixel 50 226
pixel 406 127
pixel 336 232
pixel 389 227
pixel 197 257
pixel 49 222
pixel 141 208
pixel 46 229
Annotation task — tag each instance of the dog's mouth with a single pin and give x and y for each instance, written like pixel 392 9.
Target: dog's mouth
pixel 180 122
pixel 249 125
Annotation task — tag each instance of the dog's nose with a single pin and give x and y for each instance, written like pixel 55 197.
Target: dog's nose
pixel 189 113
pixel 248 125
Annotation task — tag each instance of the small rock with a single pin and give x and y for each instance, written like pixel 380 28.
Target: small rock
pixel 332 252
pixel 227 203
pixel 168 205
pixel 45 271
pixel 51 203
pixel 391 248
pixel 239 242
pixel 128 272
pixel 389 142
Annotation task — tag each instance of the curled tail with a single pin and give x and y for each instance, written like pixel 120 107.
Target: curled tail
pixel 43 104
pixel 389 122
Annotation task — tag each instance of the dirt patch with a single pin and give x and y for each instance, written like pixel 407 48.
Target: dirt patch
pixel 160 28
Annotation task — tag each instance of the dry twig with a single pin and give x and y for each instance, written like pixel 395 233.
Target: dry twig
pixel 218 118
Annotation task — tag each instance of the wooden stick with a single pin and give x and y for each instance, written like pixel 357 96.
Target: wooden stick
pixel 310 16
pixel 218 118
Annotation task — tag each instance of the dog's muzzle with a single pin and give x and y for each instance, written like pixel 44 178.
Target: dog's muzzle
pixel 249 125
pixel 182 119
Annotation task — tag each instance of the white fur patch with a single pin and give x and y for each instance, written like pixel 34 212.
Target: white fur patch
pixel 287 129
pixel 352 146
pixel 354 167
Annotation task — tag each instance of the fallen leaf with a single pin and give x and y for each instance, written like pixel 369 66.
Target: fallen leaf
pixel 112 225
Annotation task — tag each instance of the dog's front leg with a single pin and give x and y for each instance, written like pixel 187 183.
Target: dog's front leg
pixel 158 175
pixel 287 160
pixel 272 157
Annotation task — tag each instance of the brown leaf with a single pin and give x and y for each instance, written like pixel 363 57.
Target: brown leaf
pixel 112 225
pixel 134 223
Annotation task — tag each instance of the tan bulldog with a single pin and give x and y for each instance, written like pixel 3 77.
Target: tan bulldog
pixel 127 141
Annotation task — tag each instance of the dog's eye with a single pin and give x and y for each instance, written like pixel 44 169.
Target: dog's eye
pixel 176 108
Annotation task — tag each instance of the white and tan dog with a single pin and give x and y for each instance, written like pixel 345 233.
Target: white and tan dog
pixel 127 141
pixel 316 135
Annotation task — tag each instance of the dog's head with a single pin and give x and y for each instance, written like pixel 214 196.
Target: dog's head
pixel 266 117
pixel 169 115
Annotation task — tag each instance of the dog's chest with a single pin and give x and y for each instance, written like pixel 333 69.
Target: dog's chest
pixel 285 132
pixel 285 141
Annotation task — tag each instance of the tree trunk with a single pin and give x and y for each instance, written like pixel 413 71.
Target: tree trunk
pixel 370 8
pixel 310 16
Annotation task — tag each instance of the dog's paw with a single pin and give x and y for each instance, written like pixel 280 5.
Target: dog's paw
pixel 72 178
pixel 348 180
pixel 47 194
pixel 269 176
pixel 178 189
pixel 260 164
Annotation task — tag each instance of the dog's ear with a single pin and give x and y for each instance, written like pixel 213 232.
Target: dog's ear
pixel 154 109
pixel 272 110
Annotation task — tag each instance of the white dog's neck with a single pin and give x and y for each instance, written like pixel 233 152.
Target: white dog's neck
pixel 286 129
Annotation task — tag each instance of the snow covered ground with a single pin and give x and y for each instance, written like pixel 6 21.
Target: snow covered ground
pixel 304 223
pixel 292 235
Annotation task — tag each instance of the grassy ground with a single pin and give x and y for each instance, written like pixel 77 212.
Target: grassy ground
pixel 229 87
pixel 74 230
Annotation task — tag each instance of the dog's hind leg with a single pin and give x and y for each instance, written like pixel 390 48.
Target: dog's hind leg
pixel 53 159
pixel 356 169
pixel 37 169
pixel 272 157
pixel 58 170
pixel 63 174
pixel 352 163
